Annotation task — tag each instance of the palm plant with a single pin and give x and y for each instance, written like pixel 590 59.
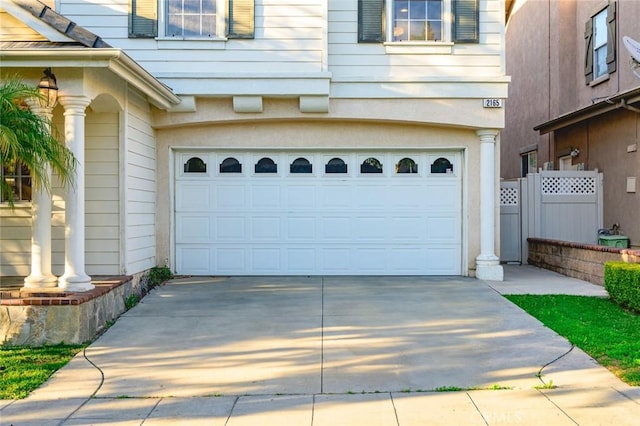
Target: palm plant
pixel 29 140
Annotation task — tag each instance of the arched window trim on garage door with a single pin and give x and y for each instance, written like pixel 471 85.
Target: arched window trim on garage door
pixel 335 165
pixel 300 165
pixel 195 165
pixel 371 165
pixel 406 165
pixel 230 165
pixel 266 165
pixel 441 165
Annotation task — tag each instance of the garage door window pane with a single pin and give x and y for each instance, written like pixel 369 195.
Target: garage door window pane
pixel 266 165
pixel 406 165
pixel 335 165
pixel 442 165
pixel 195 165
pixel 230 165
pixel 371 165
pixel 300 165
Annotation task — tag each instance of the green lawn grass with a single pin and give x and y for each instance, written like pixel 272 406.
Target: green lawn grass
pixel 23 369
pixel 608 333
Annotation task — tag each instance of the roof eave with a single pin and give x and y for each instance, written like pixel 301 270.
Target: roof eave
pixel 113 59
pixel 594 110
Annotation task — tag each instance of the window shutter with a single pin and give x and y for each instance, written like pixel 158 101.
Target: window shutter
pixel 241 19
pixel 143 18
pixel 611 38
pixel 466 21
pixel 371 21
pixel 588 51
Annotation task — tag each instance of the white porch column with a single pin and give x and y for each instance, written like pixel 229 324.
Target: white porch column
pixel 487 263
pixel 74 277
pixel 41 275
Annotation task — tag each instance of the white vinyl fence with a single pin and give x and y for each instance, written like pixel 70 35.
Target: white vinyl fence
pixel 558 205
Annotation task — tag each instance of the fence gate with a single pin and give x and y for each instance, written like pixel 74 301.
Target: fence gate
pixel 510 221
pixel 558 205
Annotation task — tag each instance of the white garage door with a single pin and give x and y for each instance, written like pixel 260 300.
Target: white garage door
pixel 318 213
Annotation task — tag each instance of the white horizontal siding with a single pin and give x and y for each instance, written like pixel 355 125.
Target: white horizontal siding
pixel 289 39
pixel 228 69
pixel 234 56
pixel 15 240
pixel 140 182
pixel 58 218
pixel 350 59
pixel 102 215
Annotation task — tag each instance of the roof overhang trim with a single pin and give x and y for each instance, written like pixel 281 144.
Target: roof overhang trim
pixel 621 100
pixel 113 59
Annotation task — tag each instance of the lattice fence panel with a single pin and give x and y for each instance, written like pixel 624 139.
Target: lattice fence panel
pixel 568 185
pixel 509 196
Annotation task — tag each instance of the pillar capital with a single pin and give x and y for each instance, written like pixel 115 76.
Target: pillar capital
pixel 74 104
pixel 487 135
pixel 39 110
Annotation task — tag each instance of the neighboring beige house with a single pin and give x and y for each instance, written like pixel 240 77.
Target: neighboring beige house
pixel 306 137
pixel 574 101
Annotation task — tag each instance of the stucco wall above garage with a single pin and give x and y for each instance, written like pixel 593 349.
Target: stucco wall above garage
pixel 456 112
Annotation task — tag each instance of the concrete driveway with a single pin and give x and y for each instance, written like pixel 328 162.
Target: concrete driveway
pixel 256 346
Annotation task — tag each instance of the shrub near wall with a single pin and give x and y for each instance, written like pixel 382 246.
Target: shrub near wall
pixel 622 281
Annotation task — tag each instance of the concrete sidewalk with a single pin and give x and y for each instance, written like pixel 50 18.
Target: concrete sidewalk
pixel 334 350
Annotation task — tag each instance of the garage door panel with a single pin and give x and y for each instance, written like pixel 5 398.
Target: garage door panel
pixel 266 228
pixel 265 260
pixel 301 228
pixel 194 259
pixel 407 260
pixel 319 224
pixel 336 260
pixel 301 261
pixel 194 228
pixel 230 197
pixel 231 228
pixel 194 197
pixel 301 197
pixel 337 228
pixel 369 196
pixel 443 260
pixel 371 260
pixel 440 197
pixel 336 196
pixel 407 229
pixel 266 197
pixel 442 229
pixel 407 197
pixel 370 228
pixel 232 261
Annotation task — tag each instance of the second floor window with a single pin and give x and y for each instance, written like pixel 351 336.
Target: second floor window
pixel 600 44
pixel 417 20
pixel 191 18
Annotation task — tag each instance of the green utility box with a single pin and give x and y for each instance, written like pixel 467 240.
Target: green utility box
pixel 617 241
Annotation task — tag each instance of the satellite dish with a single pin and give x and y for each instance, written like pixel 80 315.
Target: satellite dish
pixel 634 50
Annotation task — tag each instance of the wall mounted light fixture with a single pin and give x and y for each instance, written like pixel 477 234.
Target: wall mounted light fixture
pixel 574 152
pixel 48 88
